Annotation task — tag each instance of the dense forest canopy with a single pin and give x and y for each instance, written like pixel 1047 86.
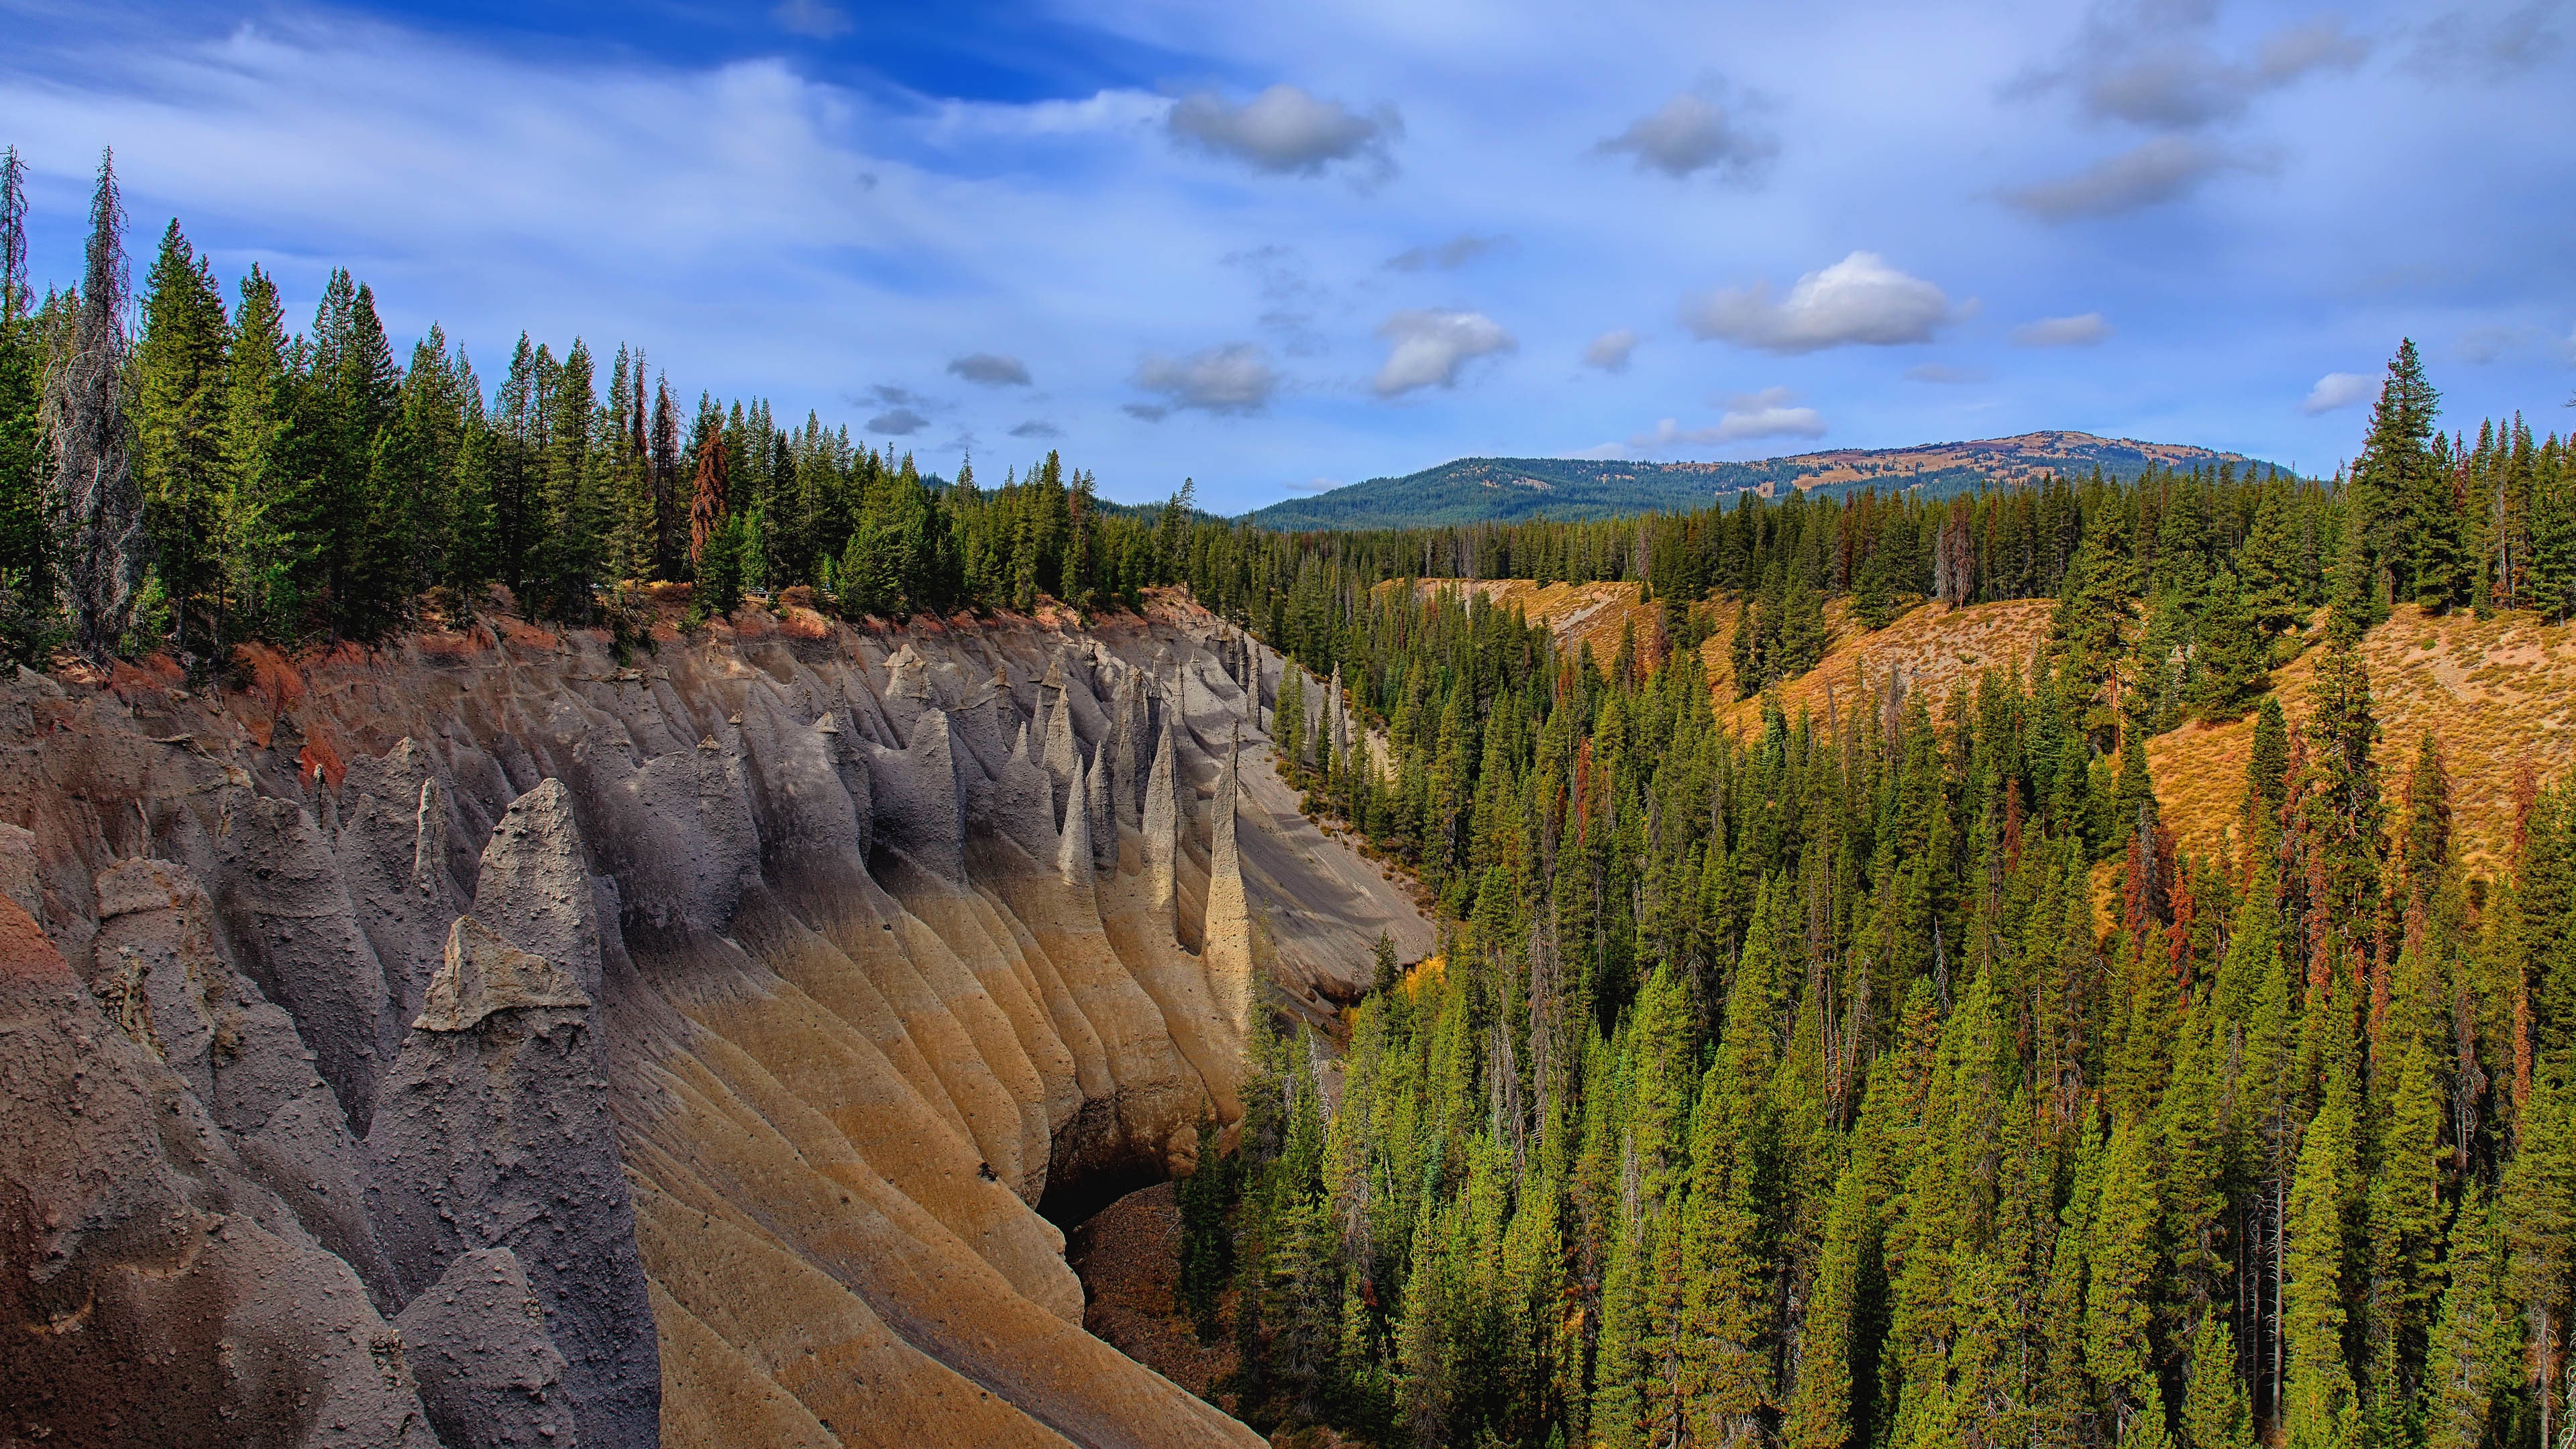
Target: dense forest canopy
pixel 1885 1079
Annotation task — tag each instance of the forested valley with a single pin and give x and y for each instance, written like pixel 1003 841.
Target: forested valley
pixel 1889 1077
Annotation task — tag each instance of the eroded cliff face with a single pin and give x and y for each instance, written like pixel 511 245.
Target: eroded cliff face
pixel 480 1042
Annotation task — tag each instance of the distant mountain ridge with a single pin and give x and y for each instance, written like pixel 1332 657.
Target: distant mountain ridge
pixel 1475 490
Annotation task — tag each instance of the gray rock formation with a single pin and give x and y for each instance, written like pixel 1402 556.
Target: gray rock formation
pixel 1162 828
pixel 489 1375
pixel 159 973
pixel 534 888
pixel 918 805
pixel 1226 942
pixel 290 916
pixel 493 1131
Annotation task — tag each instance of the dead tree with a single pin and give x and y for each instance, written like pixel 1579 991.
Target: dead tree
pixel 97 511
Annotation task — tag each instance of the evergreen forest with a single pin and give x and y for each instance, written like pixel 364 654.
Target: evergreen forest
pixel 1890 1078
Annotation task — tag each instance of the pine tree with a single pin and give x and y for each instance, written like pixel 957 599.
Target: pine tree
pixel 262 556
pixel 2119 1304
pixel 2267 570
pixel 2405 1233
pixel 177 411
pixel 1726 1229
pixel 2231 663
pixel 2215 1414
pixel 2087 631
pixel 2319 1402
pixel 2267 775
pixel 2539 1209
pixel 1823 1410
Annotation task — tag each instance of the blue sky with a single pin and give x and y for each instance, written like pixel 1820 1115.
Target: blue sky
pixel 1283 248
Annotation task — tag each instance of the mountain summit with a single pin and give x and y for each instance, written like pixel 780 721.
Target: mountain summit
pixel 1476 490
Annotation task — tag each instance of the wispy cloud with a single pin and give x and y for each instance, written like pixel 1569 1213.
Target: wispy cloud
pixel 2464 43
pixel 2085 329
pixel 2166 168
pixel 2159 65
pixel 1858 300
pixel 1943 374
pixel 813 18
pixel 1448 256
pixel 1034 428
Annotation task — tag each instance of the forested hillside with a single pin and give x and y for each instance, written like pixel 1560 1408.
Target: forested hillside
pixel 1508 490
pixel 1886 1076
pixel 1893 1076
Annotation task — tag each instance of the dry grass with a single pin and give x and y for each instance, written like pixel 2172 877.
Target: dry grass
pixel 1935 647
pixel 2025 458
pixel 2498 694
pixel 1575 613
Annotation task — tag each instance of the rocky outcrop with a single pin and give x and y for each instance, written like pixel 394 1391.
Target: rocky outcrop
pixel 157 1293
pixel 706 1045
pixel 488 1371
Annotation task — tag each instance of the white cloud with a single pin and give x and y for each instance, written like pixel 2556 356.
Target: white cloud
pixel 2338 390
pixel 1764 414
pixel 1767 414
pixel 2166 168
pixel 1610 350
pixel 1286 131
pixel 1235 380
pixel 1860 299
pixel 2084 329
pixel 1693 133
pixel 1428 347
pixel 1037 428
pixel 991 369
pixel 1944 374
pixel 812 17
pixel 898 423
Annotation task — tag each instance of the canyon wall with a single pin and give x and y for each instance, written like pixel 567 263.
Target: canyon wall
pixel 485 1040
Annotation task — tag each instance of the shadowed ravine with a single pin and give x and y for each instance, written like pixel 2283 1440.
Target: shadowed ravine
pixel 482 1040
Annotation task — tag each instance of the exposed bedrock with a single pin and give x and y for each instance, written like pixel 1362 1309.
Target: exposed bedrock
pixel 703 1048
